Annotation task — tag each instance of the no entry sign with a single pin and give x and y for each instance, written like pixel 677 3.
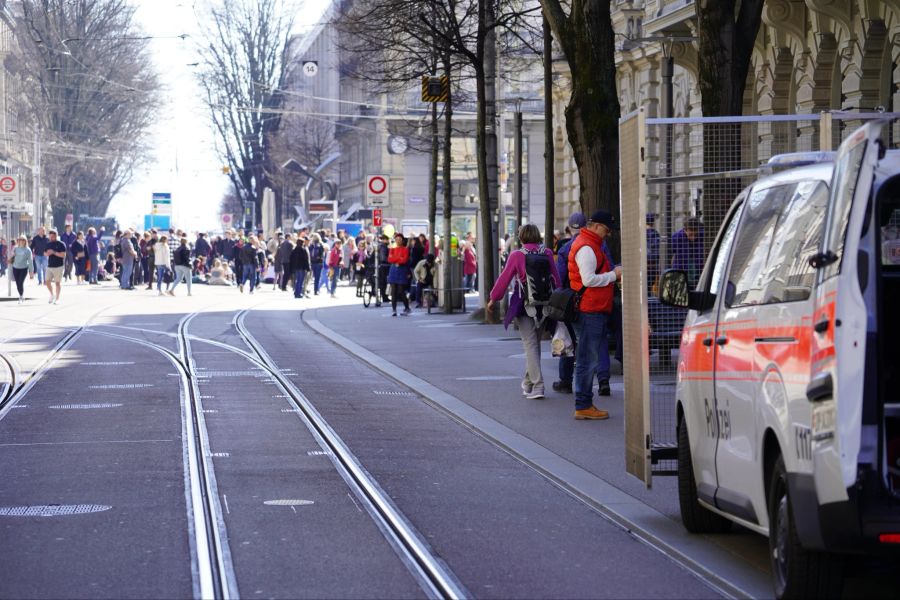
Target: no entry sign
pixel 9 193
pixel 377 190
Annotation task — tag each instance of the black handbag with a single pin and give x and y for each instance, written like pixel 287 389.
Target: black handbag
pixel 563 305
pixel 168 276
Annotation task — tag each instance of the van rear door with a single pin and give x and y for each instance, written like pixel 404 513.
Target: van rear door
pixel 839 320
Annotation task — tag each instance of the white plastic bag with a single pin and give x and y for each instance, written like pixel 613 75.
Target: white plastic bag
pixel 561 344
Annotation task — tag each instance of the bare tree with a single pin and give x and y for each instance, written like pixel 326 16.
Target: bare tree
pixel 245 54
pixel 90 93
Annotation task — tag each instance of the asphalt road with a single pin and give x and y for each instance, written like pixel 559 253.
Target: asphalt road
pixel 96 489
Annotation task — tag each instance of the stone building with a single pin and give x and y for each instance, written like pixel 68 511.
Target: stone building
pixel 810 56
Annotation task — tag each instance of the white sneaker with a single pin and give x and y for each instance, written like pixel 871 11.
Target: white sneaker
pixel 56 301
pixel 535 394
pixel 50 301
pixel 21 300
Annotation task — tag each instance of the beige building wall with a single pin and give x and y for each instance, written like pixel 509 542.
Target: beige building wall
pixel 810 56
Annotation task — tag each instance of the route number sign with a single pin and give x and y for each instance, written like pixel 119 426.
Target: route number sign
pixel 310 68
pixel 378 191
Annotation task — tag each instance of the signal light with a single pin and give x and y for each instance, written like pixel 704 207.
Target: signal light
pixel 889 538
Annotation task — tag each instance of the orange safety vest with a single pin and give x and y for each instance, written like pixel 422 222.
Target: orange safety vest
pixel 595 299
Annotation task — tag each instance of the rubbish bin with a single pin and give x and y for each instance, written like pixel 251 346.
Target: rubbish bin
pixel 456 280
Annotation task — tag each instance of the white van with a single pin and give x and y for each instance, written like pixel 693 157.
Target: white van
pixel 788 388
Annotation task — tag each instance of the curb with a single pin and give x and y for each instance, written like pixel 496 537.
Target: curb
pixel 724 572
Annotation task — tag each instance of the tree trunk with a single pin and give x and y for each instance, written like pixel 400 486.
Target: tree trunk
pixel 447 280
pixel 486 150
pixel 726 35
pixel 549 176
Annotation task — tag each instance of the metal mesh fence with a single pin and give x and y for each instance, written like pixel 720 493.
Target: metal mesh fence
pixel 679 178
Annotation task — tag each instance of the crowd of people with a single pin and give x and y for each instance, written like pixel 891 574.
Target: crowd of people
pixel 305 263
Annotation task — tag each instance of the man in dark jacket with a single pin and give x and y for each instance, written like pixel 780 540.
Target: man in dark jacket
pixel 298 266
pixel 201 246
pixel 68 237
pixel 282 260
pixel 38 250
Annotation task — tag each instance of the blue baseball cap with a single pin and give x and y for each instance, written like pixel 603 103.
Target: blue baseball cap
pixel 577 220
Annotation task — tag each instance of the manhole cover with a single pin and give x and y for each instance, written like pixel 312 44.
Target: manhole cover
pixel 288 502
pixel 51 510
pixel 121 386
pixel 83 406
pixel 391 393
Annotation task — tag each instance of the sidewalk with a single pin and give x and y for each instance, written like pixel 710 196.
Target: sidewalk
pixel 472 371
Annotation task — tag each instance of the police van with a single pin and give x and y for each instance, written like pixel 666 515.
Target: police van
pixel 788 380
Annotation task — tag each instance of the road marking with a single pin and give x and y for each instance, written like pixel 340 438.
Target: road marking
pixel 318 453
pixel 83 406
pixel 290 503
pixel 106 364
pixel 120 386
pixel 225 498
pixel 220 454
pixel 91 442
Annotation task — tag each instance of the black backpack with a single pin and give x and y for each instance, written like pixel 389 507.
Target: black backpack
pixel 538 286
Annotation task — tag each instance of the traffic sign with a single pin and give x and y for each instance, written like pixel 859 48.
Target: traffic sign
pixel 376 217
pixel 10 199
pixel 227 221
pixel 310 68
pixel 378 190
pixel 162 204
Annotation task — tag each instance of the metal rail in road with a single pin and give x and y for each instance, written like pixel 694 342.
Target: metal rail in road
pixel 435 577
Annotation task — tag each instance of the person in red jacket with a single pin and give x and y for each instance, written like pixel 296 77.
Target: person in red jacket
pixel 590 268
pixel 399 275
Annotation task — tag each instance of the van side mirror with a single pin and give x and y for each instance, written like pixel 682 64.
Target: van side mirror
pixel 822 259
pixel 673 288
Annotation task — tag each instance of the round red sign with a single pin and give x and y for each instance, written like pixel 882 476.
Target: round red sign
pixel 7 184
pixel 377 185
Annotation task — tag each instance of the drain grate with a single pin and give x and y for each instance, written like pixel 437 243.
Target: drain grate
pixel 291 502
pixel 120 386
pixel 392 393
pixel 51 510
pixel 83 406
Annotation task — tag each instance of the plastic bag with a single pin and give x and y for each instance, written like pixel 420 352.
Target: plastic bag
pixel 561 344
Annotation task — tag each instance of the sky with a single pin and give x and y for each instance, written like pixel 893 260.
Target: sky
pixel 184 161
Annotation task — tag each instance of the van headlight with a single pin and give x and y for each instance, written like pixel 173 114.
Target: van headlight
pixel 823 421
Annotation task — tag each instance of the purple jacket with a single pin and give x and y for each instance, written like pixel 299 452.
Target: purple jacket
pixel 92 243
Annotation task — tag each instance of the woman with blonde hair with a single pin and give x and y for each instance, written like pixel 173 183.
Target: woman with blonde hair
pixel 22 261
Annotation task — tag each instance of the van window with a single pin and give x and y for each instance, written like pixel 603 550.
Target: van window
pixel 846 177
pixel 890 237
pixel 798 236
pixel 721 253
pixel 746 278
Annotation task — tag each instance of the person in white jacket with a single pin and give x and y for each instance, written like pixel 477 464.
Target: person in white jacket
pixel 162 259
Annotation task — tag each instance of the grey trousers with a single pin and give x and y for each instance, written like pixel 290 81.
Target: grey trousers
pixel 531 342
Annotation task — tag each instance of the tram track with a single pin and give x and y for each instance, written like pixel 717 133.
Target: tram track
pixel 216 572
pixel 435 577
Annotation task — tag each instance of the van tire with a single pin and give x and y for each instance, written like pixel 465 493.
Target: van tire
pixel 696 518
pixel 797 572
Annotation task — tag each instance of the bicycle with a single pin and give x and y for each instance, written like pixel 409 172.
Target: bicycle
pixel 368 291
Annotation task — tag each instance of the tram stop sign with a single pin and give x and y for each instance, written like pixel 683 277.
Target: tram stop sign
pixel 376 217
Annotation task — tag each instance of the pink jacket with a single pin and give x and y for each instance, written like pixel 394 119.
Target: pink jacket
pixel 515 267
pixel 470 264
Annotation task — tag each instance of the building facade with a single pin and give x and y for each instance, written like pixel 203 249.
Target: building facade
pixel 810 56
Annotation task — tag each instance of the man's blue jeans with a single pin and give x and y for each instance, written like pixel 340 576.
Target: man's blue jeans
pixel 95 266
pixel 317 277
pixel 335 275
pixel 299 280
pixel 592 356
pixel 40 266
pixel 127 269
pixel 249 276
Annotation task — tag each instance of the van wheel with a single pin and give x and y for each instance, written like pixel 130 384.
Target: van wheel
pixel 696 518
pixel 798 573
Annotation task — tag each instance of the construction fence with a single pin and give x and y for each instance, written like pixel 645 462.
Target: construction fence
pixel 678 179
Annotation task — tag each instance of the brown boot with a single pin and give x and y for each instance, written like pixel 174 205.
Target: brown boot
pixel 593 413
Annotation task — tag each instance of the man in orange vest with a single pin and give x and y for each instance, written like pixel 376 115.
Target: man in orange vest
pixel 589 268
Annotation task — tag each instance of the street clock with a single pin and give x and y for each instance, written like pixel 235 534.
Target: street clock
pixel 397 144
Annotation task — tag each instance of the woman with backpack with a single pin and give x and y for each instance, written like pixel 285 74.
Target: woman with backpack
pixel 399 275
pixel 533 272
